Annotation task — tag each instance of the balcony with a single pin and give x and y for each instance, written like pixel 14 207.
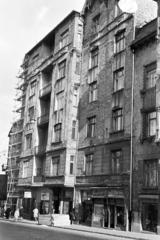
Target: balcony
pixel 27 152
pixel 40 149
pixel 16 153
pixel 45 92
pixel 43 120
pixel 38 179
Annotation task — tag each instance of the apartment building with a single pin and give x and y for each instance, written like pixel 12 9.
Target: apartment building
pixel 47 128
pixel 103 195
pixel 146 180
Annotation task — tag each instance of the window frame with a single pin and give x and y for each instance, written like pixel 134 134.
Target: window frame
pixel 58 132
pixel 71 165
pixel 89 164
pixel 120 41
pixel 64 39
pixel 148 123
pixel 147 172
pixel 114 161
pixel 74 129
pixel 91 127
pixel 55 161
pixel 93 92
pixel 25 169
pixel 61 69
pixel 96 24
pixel 115 122
pixel 29 141
pixel 148 69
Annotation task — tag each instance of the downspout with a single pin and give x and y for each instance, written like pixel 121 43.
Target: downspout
pixel 131 146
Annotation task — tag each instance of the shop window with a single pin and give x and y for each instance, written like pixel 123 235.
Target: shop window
pixel 62 69
pixel 91 127
pixel 71 170
pixel 150 217
pixel 117 120
pixel 29 141
pixel 151 124
pixel 120 215
pixel 64 39
pixel 89 164
pixel 74 129
pixel 25 169
pixel 57 132
pixel 151 173
pixel 150 73
pixel 93 92
pixel 55 166
pixel 95 24
pixel 116 161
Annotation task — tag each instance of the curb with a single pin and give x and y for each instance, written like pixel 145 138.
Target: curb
pixel 75 229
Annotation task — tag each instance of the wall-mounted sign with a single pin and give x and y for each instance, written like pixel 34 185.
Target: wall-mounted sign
pixel 44 196
pixel 99 193
pixel 68 194
pixel 27 195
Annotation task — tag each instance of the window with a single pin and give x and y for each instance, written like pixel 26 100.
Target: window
pixel 59 101
pixel 78 64
pixel 117 99
pixel 93 92
pixel 151 173
pixel 94 58
pixel 117 10
pixel 117 120
pixel 118 79
pixel 93 66
pixel 62 69
pixel 75 99
pixel 95 27
pixel 58 132
pixel 120 41
pixel 151 124
pixel 89 164
pixel 29 141
pixel 33 88
pixel 64 39
pixel 31 113
pixel 59 85
pixel 91 127
pixel 38 172
pixel 116 161
pixel 55 166
pixel 71 170
pixel 58 116
pixel 150 75
pixel 35 57
pixel 25 169
pixel 74 130
pixel 31 100
pixel 79 33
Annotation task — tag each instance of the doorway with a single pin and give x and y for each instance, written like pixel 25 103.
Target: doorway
pixel 112 216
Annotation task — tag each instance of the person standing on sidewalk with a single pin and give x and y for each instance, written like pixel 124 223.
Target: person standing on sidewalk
pixel 35 214
pixel 16 214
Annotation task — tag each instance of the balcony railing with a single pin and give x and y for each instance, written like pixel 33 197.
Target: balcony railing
pixel 39 179
pixel 43 119
pixel 46 90
pixel 40 149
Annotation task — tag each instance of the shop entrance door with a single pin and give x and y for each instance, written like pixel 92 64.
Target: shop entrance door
pixel 112 216
pixel 150 217
pixel 56 198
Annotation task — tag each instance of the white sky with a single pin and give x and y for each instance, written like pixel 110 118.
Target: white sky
pixel 23 23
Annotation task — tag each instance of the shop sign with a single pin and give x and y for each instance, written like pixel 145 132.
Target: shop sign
pixel 27 195
pixel 44 196
pixel 99 193
pixel 115 192
pixel 68 194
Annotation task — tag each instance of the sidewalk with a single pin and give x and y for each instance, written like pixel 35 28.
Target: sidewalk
pixel 104 231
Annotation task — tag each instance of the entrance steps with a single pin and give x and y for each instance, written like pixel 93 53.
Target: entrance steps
pixel 59 220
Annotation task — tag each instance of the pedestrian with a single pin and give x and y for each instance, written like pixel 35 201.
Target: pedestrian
pixel 21 212
pixel 35 214
pixel 16 214
pixel 72 215
pixel 8 210
pixel 2 212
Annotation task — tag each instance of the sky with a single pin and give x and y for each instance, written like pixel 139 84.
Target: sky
pixel 23 23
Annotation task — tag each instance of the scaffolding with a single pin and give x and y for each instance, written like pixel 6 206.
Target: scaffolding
pixel 15 140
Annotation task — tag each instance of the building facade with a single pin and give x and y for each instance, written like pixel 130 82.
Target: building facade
pixel 50 88
pixel 103 181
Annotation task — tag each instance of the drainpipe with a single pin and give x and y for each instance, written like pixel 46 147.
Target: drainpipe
pixel 131 146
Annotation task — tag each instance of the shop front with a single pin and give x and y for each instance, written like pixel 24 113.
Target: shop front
pixel 86 207
pixel 149 208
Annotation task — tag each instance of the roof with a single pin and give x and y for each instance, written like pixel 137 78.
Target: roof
pixel 51 34
pixel 147 31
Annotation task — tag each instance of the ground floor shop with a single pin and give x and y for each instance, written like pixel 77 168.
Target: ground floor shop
pixel 147 218
pixel 58 200
pixel 102 207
